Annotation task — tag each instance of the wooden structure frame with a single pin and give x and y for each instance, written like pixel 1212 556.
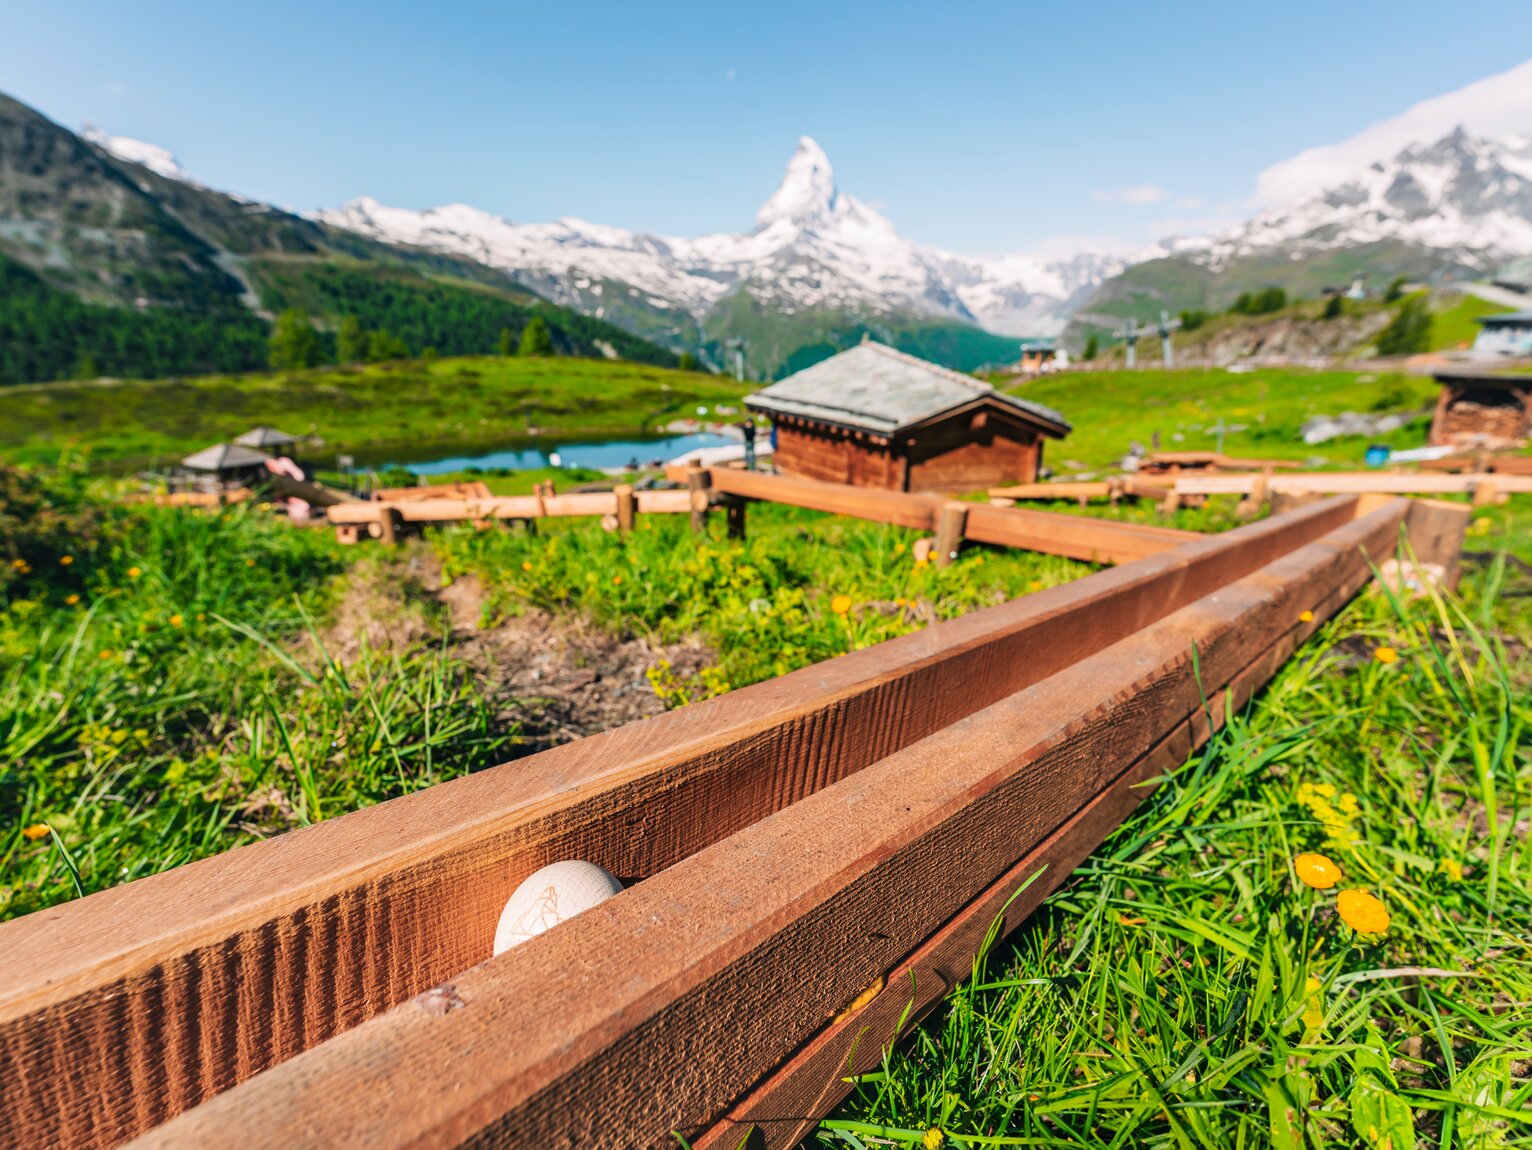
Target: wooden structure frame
pixel 796 899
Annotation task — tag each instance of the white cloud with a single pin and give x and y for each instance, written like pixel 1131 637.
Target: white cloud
pixel 1499 105
pixel 1138 194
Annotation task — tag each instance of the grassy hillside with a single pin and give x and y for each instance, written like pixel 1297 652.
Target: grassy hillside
pixel 1262 410
pixel 780 344
pixel 408 402
pixel 1453 326
pixel 1179 283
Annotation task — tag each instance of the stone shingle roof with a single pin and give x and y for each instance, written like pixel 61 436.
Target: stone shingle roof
pixel 872 387
pixel 224 457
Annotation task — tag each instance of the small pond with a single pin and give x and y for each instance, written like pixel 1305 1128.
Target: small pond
pixel 523 454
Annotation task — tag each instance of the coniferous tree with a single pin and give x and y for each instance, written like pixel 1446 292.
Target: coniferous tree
pixel 1334 306
pixel 687 362
pixel 383 345
pixel 294 342
pixel 1092 347
pixel 1409 332
pixel 507 342
pixel 535 339
pixel 350 340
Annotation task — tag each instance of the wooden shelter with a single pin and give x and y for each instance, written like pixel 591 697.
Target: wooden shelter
pixel 227 465
pixel 876 417
pixel 1482 409
pixel 266 439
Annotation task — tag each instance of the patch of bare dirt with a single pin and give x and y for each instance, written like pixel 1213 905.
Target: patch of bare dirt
pixel 557 678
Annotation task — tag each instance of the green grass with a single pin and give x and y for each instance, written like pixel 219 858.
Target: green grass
pixel 482 399
pixel 1111 409
pixel 1454 326
pixel 1184 989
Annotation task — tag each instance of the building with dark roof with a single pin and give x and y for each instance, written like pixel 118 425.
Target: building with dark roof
pixel 1509 333
pixel 876 417
pixel 1482 409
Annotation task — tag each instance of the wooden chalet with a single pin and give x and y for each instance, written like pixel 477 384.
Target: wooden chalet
pixel 876 417
pixel 1482 409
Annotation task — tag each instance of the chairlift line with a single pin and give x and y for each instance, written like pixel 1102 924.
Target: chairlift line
pixel 1131 333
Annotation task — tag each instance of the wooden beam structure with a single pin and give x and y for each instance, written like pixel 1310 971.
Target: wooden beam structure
pixel 710 997
pixel 595 503
pixel 123 1009
pixel 1073 536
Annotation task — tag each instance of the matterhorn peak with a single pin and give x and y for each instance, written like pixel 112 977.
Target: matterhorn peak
pixel 807 188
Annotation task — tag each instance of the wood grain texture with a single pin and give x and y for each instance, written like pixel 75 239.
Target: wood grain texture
pixel 726 963
pixel 1351 482
pixel 121 1009
pixel 510 507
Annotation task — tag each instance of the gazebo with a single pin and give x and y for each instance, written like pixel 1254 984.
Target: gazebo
pixel 228 464
pixel 266 439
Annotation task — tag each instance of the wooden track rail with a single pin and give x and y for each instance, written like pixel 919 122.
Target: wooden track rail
pixel 796 840
pixel 686 1002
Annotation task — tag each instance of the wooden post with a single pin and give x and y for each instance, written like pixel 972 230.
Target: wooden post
pixel 697 483
pixel 1485 491
pixel 388 525
pixel 736 517
pixel 627 507
pixel 949 532
pixel 1250 506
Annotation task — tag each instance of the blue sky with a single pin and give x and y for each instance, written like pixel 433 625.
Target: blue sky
pixel 982 128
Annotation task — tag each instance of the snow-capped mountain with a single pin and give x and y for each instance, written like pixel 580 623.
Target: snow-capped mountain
pixel 1463 195
pixel 152 156
pixel 814 248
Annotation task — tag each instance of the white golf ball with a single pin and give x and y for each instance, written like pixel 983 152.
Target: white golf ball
pixel 559 891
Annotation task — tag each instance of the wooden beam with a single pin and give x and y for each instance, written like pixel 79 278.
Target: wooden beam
pixel 534 506
pixel 1350 482
pixel 713 973
pixel 126 1007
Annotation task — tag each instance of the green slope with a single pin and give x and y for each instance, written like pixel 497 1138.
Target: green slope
pixel 487 399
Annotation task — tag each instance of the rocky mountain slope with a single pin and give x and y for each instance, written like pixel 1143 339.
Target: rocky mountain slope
pixel 1454 209
pixel 111 260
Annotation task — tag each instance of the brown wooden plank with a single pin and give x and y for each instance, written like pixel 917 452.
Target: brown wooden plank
pixel 1074 536
pixel 653 1011
pixel 123 1008
pixel 784 1107
pixel 1350 482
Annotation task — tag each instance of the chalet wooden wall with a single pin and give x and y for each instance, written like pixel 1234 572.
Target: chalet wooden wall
pixel 954 456
pixel 834 455
pixel 968 452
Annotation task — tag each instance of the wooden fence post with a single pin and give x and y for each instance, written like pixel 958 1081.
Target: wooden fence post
pixel 736 517
pixel 697 483
pixel 627 507
pixel 949 532
pixel 388 525
pixel 1250 506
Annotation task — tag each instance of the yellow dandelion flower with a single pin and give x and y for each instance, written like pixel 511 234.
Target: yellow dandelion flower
pixel 919 563
pixel 200 616
pixel 934 1139
pixel 1452 869
pixel 526 565
pixel 1362 912
pixel 18 563
pixel 65 560
pixel 1035 585
pixel 1306 617
pixel 1316 871
pixel 71 599
pixel 249 562
pixel 840 604
pixel 107 654
pixel 898 548
pixel 176 620
pixel 616 580
pixel 35 831
pixel 1386 655
pixel 1348 803
pixel 134 572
